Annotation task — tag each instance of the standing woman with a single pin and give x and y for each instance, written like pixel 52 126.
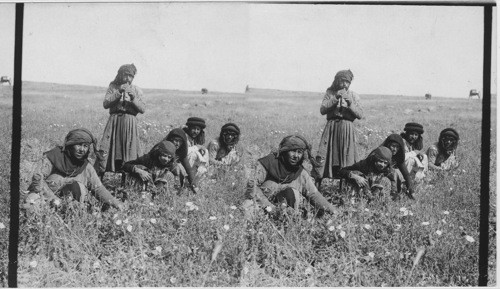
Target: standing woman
pixel 337 148
pixel 120 142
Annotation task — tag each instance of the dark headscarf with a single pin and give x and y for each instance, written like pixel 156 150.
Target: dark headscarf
pixel 414 127
pixel 181 152
pixel 62 160
pixel 380 153
pixel 196 121
pixel 451 133
pixel 278 169
pixel 229 127
pixel 399 158
pixel 125 69
pixel 162 148
pixel 341 75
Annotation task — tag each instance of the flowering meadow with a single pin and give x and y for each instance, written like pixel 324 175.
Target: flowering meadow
pixel 203 240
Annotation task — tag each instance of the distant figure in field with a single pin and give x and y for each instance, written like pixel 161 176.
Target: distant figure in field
pixel 120 141
pixel 280 178
pixel 182 168
pixel 395 143
pixel 223 150
pixel 428 96
pixel 474 92
pixel 337 147
pixel 151 168
pixel 442 154
pixel 65 171
pixel 415 159
pixel 372 176
pixel 5 79
pixel 197 152
pixel 204 91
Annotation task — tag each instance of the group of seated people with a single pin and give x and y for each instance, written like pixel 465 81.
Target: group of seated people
pixel 65 171
pixel 278 178
pixel 281 179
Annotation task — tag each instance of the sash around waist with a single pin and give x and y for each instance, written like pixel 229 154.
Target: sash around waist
pixel 121 113
pixel 338 118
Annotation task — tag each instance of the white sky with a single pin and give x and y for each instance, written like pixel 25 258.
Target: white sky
pixel 407 50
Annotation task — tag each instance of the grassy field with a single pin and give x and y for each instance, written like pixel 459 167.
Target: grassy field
pixel 431 241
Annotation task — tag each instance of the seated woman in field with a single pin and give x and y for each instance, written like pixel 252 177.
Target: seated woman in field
pixel 415 160
pixel 223 151
pixel 182 167
pixel 280 178
pixel 442 154
pixel 395 143
pixel 371 176
pixel 197 152
pixel 65 171
pixel 151 168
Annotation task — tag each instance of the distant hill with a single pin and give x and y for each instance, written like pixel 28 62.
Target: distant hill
pixel 77 88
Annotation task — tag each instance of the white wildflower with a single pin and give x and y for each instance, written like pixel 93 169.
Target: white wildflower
pixel 33 264
pixel 469 238
pixel 446 212
pixel 233 207
pixel 439 233
pixel 183 221
pixel 2 226
pixel 309 271
pixel 269 209
pixel 444 221
pixel 425 223
pixel 226 227
pixel 342 234
pixel 125 221
pixel 129 228
pixel 212 218
pixel 189 204
pixel 153 221
pixel 173 280
pixel 115 216
pixel 158 249
pixel 118 222
pixel 339 227
pixel 231 216
pixel 371 254
pixel 367 210
pixel 402 209
pixel 331 228
pixel 398 227
pixel 367 226
pixel 96 265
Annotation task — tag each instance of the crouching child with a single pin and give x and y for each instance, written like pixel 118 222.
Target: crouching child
pixel 152 168
pixel 280 179
pixel 442 154
pixel 371 177
pixel 65 172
